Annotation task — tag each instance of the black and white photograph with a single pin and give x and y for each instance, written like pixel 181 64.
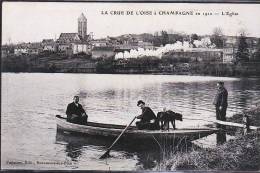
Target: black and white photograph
pixel 110 86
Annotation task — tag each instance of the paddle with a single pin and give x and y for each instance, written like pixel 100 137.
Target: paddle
pixel 106 154
pixel 58 116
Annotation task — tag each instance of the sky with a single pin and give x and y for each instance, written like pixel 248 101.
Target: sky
pixel 34 21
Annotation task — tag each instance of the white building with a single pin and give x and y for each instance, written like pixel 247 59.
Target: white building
pixel 99 43
pixel 50 47
pixel 80 47
pixel 229 55
pixel 21 50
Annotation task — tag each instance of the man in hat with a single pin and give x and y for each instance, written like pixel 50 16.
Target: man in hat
pixel 220 101
pixel 148 119
pixel 76 113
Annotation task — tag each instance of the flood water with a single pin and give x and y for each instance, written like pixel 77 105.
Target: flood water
pixel 30 102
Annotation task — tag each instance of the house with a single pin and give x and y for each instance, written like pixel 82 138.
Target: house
pixel 231 46
pixel 230 41
pixel 67 38
pixel 47 41
pixel 196 54
pixel 129 39
pixel 65 48
pixel 229 54
pixel 145 45
pixel 234 41
pixel 21 49
pixel 99 43
pixel 6 50
pixel 65 42
pixel 81 47
pixel 50 47
pixel 35 48
pixel 73 43
pixel 103 52
pixel 113 41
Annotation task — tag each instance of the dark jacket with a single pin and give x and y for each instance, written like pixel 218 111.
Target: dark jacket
pixel 221 98
pixel 147 115
pixel 73 109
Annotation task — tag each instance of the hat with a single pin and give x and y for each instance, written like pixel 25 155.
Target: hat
pixel 221 82
pixel 140 102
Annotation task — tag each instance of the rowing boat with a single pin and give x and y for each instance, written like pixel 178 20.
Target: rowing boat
pixel 132 133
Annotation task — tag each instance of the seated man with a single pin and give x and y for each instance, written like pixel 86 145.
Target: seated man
pixel 148 119
pixel 75 112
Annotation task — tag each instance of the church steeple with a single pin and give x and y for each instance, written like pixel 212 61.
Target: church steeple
pixel 82 26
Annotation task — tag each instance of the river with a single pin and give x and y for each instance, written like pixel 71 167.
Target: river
pixel 30 102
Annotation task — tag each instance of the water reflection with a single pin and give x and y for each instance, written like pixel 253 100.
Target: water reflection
pixel 221 136
pixel 73 151
pixel 147 155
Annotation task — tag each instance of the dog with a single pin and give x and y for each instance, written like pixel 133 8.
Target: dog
pixel 166 117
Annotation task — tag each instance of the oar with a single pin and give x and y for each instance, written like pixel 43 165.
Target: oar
pixel 106 154
pixel 58 116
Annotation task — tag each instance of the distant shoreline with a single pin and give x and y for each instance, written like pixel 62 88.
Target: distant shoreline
pixel 146 65
pixel 177 74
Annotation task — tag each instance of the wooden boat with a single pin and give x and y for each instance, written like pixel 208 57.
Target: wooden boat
pixel 132 133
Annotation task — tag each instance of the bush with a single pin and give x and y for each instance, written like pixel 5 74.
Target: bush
pixel 242 153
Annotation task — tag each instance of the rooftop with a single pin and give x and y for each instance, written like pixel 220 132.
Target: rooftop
pixel 82 17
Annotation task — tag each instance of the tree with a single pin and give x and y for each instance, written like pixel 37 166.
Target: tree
pixel 165 38
pixel 173 38
pixel 206 42
pixel 161 39
pixel 217 37
pixel 156 40
pixel 193 37
pixel 242 54
pixel 257 53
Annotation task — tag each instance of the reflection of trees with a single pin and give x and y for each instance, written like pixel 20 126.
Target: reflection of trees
pixel 148 160
pixel 182 95
pixel 73 151
pixel 193 96
pixel 73 145
pixel 243 97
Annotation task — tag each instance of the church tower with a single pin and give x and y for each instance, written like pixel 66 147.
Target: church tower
pixel 82 26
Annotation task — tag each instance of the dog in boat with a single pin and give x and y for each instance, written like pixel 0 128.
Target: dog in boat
pixel 166 117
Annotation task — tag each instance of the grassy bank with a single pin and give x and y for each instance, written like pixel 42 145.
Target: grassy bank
pixel 254 116
pixel 239 154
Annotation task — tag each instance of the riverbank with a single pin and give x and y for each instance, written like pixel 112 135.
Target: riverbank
pixel 239 154
pixel 145 65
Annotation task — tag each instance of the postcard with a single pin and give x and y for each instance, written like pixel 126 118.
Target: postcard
pixel 131 86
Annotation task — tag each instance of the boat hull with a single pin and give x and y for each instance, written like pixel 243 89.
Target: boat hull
pixel 112 131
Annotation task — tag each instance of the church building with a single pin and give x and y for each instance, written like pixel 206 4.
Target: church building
pixel 74 43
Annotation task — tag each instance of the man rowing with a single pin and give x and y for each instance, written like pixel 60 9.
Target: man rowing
pixel 76 113
pixel 148 119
